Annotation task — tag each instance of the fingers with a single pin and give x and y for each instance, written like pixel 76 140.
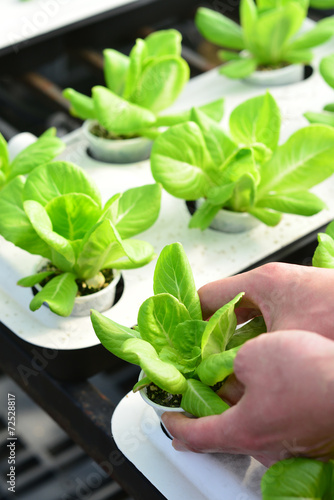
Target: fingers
pixel 232 390
pixel 216 433
pixel 264 288
pixel 217 293
pixel 245 314
pixel 265 459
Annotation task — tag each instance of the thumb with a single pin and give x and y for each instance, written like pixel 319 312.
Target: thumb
pixel 215 433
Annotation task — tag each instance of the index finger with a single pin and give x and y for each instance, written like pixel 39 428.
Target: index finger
pixel 217 293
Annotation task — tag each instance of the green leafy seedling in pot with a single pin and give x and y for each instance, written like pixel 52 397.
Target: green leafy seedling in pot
pixel 57 213
pixel 138 88
pixel 326 68
pixel 178 351
pixel 45 149
pixel 269 34
pixel 245 169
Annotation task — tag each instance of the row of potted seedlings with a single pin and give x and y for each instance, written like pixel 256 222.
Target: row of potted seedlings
pixel 235 179
pixel 239 179
pixel 123 117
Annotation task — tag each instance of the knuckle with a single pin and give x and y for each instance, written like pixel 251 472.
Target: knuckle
pixel 250 441
pixel 272 270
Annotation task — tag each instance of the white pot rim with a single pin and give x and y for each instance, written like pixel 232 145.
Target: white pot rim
pixel 229 221
pixel 103 291
pixel 158 408
pixel 288 75
pixel 116 151
pixel 87 124
pixel 81 298
pixel 101 300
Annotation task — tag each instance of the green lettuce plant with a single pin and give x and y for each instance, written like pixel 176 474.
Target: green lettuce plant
pixel 324 253
pixel 138 88
pixel 178 351
pixel 57 213
pixel 322 4
pixel 45 149
pixel 269 34
pixel 303 478
pixel 326 68
pixel 244 170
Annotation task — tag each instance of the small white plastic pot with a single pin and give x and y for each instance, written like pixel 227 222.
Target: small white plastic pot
pixel 228 221
pixel 100 301
pixel 159 409
pixel 293 73
pixel 116 151
pixel 234 222
pixel 19 142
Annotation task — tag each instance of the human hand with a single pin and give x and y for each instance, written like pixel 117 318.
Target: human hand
pixel 284 402
pixel 287 296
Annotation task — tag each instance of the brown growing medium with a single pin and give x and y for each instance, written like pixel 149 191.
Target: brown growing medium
pixel 270 67
pixel 83 289
pixel 101 132
pixel 163 398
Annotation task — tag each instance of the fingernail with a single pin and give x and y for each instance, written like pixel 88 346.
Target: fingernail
pixel 164 417
pixel 179 446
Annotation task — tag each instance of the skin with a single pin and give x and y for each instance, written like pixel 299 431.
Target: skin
pixel 287 296
pixel 279 408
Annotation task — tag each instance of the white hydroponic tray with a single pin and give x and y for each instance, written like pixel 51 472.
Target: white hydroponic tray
pixel 22 20
pixel 212 254
pixel 180 475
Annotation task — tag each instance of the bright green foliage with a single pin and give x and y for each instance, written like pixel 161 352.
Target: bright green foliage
pixel 269 35
pixel 172 344
pixel 201 401
pixel 44 150
pixel 324 253
pixel 56 212
pixel 303 478
pixel 326 117
pixel 322 4
pixel 139 87
pixel 245 170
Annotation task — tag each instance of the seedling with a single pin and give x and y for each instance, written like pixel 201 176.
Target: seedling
pixel 326 68
pixel 138 88
pixel 56 212
pixel 178 351
pixel 45 149
pixel 244 170
pixel 269 36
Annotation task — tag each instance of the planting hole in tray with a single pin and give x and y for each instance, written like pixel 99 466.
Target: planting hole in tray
pixel 90 155
pixel 165 432
pixel 119 290
pixel 191 206
pixel 105 162
pixel 308 71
